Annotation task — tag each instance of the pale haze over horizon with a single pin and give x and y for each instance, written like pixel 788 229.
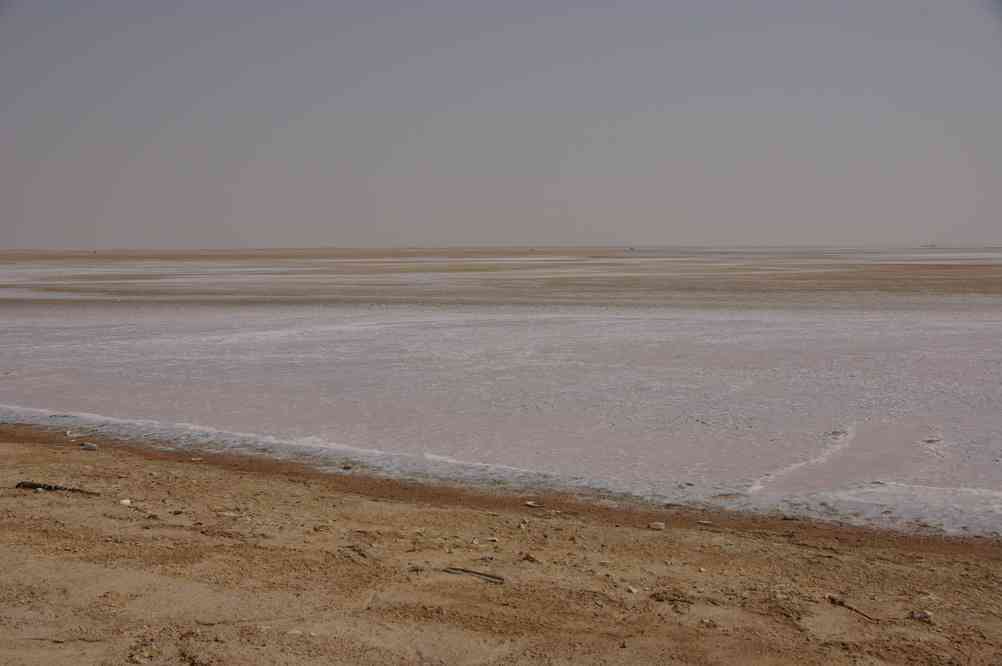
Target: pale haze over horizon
pixel 249 124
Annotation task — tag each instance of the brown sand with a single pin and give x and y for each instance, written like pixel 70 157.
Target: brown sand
pixel 584 276
pixel 223 560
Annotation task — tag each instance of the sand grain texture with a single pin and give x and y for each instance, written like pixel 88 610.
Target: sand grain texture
pixel 246 561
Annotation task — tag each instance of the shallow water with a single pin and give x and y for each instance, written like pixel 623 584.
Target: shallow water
pixel 883 415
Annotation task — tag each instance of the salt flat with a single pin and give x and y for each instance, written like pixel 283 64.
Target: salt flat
pixel 864 386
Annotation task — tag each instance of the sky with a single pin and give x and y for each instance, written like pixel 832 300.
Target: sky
pixel 254 123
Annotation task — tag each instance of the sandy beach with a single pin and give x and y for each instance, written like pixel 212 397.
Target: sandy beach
pixel 229 560
pixel 501 333
pixel 861 388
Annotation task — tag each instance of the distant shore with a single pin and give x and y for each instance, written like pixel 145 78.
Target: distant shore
pixel 599 276
pixel 220 559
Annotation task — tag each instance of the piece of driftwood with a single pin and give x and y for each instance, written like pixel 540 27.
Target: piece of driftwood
pixel 490 578
pixel 838 601
pixel 51 487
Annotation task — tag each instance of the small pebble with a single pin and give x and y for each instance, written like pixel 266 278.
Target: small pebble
pixel 126 502
pixel 87 446
pixel 657 525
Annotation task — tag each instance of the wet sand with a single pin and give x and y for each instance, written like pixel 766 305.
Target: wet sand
pixel 226 560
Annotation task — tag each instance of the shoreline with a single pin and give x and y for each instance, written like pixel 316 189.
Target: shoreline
pixel 603 507
pixel 366 472
pixel 381 469
pixel 218 558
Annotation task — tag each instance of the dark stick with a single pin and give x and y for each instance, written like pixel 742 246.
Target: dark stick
pixel 51 487
pixel 490 578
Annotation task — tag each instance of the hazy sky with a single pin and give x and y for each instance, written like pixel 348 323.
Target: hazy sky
pixel 388 122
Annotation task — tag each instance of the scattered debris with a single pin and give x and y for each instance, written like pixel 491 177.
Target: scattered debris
pixel 197 459
pixel 61 641
pixel 532 504
pixel 839 601
pixel 52 487
pixel 657 525
pixel 354 552
pixel 347 467
pixel 490 578
pixel 704 522
pixel 631 589
pixel 88 446
pixel 680 601
pixel 529 557
pixel 126 502
pixel 921 616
